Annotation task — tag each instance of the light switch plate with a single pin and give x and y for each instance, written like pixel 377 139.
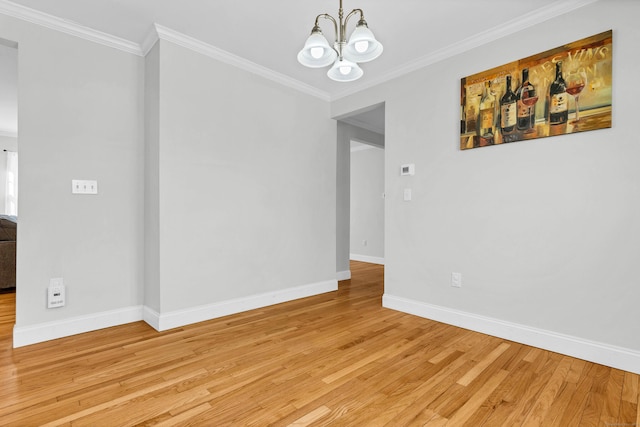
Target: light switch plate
pixel 82 186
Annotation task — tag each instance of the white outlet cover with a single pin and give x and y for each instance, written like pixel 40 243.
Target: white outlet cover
pixel 56 293
pixel 456 280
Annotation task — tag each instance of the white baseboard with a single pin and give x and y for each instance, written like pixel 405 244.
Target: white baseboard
pixel 367 258
pixel 605 354
pixel 151 317
pixel 175 319
pixel 343 275
pixel 26 335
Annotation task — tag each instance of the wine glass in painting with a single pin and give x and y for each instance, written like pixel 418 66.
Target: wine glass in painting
pixel 576 80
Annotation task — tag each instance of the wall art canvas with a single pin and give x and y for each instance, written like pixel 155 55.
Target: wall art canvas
pixel 561 91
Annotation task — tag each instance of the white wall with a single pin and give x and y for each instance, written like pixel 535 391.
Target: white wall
pixel 545 233
pixel 80 117
pixel 152 265
pixel 229 205
pixel 7 143
pixel 367 204
pixel 8 109
pixel 247 175
pixel 8 88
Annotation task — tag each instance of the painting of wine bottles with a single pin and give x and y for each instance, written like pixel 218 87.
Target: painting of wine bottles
pixel 561 91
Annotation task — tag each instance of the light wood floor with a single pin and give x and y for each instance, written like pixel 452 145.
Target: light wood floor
pixel 335 359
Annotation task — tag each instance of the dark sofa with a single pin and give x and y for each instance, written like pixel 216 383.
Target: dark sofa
pixel 8 230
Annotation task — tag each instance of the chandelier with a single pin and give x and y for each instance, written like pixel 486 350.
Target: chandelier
pixel 345 54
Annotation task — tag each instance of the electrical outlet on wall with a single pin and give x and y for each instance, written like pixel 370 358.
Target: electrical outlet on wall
pixel 55 293
pixel 456 280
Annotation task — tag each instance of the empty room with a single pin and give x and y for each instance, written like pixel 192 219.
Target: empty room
pixel 319 213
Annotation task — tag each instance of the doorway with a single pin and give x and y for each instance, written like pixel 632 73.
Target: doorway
pixel 8 183
pixel 366 224
pixel 361 128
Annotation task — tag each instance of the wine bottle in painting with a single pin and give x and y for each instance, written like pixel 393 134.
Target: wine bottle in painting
pixel 527 98
pixel 472 117
pixel 558 99
pixel 487 117
pixel 508 115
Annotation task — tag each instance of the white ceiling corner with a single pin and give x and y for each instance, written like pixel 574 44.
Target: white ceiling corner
pixel 150 40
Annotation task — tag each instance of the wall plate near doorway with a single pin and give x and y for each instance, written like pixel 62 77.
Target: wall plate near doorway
pixel 409 169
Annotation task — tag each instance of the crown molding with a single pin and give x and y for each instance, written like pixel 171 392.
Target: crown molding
pixel 150 40
pixel 68 27
pixel 505 29
pixel 167 34
pixel 156 33
pixel 159 32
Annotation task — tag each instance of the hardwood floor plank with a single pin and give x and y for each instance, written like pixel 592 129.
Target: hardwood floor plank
pixel 560 404
pixel 53 413
pixel 575 373
pixel 507 396
pixel 483 364
pixel 311 417
pixel 362 362
pixel 630 388
pixel 470 406
pixel 627 414
pixel 337 359
pixel 548 394
pixel 613 398
pixel 596 396
pixel 538 374
pixel 183 417
pixel 571 416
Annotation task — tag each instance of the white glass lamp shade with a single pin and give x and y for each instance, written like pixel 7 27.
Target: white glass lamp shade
pixel 345 71
pixel 316 52
pixel 362 45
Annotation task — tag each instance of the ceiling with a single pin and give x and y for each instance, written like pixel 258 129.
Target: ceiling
pixel 270 34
